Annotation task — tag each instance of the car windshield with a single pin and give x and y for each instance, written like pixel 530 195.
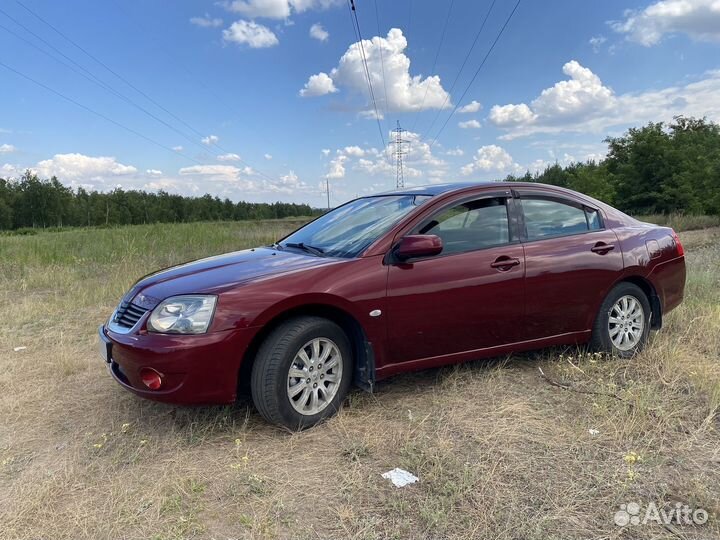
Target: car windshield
pixel 349 229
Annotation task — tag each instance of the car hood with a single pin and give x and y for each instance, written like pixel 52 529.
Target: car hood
pixel 216 274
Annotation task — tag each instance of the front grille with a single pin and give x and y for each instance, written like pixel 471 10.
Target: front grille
pixel 127 314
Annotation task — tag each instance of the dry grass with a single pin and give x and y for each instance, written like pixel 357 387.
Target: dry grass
pixel 500 452
pixel 682 222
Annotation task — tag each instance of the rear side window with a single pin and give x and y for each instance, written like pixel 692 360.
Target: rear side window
pixel 470 226
pixel 593 219
pixel 546 218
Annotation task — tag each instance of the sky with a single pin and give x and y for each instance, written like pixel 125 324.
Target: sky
pixel 267 100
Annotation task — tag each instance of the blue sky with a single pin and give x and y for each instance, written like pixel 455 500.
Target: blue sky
pixel 263 100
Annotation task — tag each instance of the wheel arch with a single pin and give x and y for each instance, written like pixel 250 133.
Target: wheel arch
pixel 649 289
pixel 363 354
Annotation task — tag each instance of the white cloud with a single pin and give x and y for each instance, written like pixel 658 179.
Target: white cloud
pixel 222 172
pixel 455 152
pixel 582 93
pixel 584 104
pixel 228 157
pixel 318 32
pixel 250 33
pixel 491 159
pixel 419 161
pixel 207 21
pixel 210 140
pixel 289 183
pixel 268 157
pixel 596 41
pixel 354 151
pixel 277 9
pixel 472 107
pixel 405 92
pixel 509 115
pixel 76 167
pixel 381 167
pixel 270 9
pixel 371 114
pixel 8 170
pixel 700 19
pixel 325 151
pixel 223 180
pixel 318 85
pixel 469 124
pixel 178 148
pixel 337 167
pixel 7 149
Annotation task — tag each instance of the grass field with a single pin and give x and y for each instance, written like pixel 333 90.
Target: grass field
pixel 502 451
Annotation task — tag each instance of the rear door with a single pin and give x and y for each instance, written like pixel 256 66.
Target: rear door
pixel 470 296
pixel 571 261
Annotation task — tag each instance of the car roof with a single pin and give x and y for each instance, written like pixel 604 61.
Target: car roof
pixel 440 189
pixel 451 187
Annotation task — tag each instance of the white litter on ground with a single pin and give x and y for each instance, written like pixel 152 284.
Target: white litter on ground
pixel 593 431
pixel 18 349
pixel 400 477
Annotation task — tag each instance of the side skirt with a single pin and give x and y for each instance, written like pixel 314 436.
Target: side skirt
pixel 570 338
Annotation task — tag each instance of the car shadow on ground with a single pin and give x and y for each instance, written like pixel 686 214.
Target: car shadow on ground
pixel 200 421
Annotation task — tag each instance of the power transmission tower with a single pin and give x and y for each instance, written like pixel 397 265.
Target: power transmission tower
pixel 327 186
pixel 399 153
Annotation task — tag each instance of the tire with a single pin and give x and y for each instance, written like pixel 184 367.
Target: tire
pixel 298 402
pixel 621 327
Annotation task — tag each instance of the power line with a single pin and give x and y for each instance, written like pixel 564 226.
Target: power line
pixel 82 71
pixel 138 90
pixel 78 104
pixel 490 50
pixel 160 45
pixel 356 26
pixel 108 68
pixel 432 70
pixel 102 85
pixel 467 56
pixel 48 44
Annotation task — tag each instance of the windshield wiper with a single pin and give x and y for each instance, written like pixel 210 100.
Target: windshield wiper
pixel 305 247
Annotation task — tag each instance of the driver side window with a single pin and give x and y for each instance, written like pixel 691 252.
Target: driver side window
pixel 470 226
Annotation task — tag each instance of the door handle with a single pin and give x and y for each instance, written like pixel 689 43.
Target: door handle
pixel 504 263
pixel 602 248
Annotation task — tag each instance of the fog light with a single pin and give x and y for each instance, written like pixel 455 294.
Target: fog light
pixel 151 378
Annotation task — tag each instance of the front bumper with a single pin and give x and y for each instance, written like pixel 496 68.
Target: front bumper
pixel 196 369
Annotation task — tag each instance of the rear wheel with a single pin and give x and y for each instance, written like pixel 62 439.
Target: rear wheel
pixel 623 323
pixel 302 372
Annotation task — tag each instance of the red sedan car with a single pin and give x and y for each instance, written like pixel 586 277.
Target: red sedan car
pixel 406 280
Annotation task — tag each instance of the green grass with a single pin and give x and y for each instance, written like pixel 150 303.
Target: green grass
pixel 500 453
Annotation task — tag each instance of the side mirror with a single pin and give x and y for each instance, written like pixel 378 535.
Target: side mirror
pixel 418 245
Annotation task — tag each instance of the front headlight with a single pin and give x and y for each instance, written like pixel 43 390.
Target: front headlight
pixel 189 314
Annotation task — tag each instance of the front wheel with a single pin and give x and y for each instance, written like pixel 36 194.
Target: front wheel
pixel 623 323
pixel 302 372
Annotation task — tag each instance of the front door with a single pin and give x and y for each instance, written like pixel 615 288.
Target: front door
pixel 470 296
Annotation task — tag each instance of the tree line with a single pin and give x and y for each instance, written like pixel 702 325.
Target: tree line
pixel 655 169
pixel 658 168
pixel 32 202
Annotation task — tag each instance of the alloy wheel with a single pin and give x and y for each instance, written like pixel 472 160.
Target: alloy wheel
pixel 314 376
pixel 626 323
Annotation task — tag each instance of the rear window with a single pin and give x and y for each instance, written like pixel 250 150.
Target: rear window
pixel 546 218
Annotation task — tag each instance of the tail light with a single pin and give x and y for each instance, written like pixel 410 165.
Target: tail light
pixel 678 244
pixel 151 378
